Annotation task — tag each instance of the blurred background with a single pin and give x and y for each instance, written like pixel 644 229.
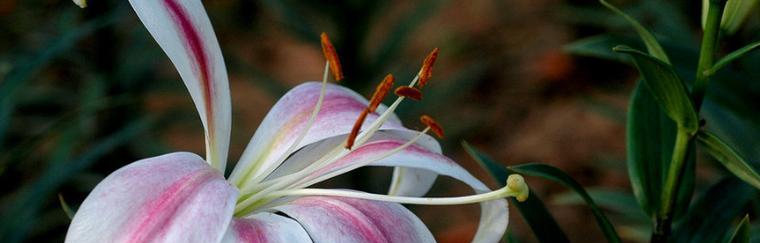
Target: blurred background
pixel 86 91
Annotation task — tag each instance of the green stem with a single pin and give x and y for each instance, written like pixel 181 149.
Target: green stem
pixel 670 188
pixel 707 50
pixel 664 217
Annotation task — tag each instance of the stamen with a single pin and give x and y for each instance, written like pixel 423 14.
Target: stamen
pixel 301 135
pixel 503 192
pixel 434 127
pixel 311 181
pixel 384 116
pixel 332 57
pixel 427 68
pixel 303 179
pixel 380 92
pixel 409 92
pixel 355 129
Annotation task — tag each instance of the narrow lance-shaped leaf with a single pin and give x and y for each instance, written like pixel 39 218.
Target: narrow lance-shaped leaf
pixel 650 136
pixel 647 130
pixel 600 46
pixel 65 207
pixel 653 47
pixel 741 234
pixel 710 217
pixel 666 87
pixel 728 157
pixel 614 200
pixel 533 210
pixel 731 57
pixel 552 173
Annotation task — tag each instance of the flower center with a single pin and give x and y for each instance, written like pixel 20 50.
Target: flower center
pixel 260 194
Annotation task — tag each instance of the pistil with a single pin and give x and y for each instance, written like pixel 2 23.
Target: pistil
pixel 516 187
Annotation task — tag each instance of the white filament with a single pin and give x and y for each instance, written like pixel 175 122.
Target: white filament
pixel 302 134
pixel 254 193
pixel 492 195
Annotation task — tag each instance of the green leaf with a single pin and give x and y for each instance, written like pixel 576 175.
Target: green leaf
pixel 729 123
pixel 533 210
pixel 741 234
pixel 648 132
pixel 65 206
pixel 666 87
pixel 509 237
pixel 729 158
pixel 599 46
pixel 709 219
pixel 730 57
pixel 653 47
pixel 614 200
pixel 551 173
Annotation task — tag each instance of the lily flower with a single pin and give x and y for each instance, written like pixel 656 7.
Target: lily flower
pixel 313 133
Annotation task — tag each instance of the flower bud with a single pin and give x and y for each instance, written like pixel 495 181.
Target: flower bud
pixel 734 14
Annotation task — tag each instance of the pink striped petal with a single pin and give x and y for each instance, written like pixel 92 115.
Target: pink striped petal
pixel 406 181
pixel 346 220
pixel 266 227
pixel 184 32
pixel 289 117
pixel 170 198
pixel 494 214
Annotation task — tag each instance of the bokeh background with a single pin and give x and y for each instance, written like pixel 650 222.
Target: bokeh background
pixel 86 91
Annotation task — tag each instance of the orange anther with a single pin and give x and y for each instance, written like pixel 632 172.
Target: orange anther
pixel 434 127
pixel 409 92
pixel 380 92
pixel 332 57
pixel 356 128
pixel 427 68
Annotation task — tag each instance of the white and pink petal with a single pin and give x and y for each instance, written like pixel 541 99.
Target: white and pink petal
pixel 494 214
pixel 170 198
pixel 183 30
pixel 289 117
pixel 266 227
pixel 347 220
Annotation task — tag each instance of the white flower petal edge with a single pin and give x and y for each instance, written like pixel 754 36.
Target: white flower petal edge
pixel 347 220
pixel 494 213
pixel 184 32
pixel 287 119
pixel 340 108
pixel 406 181
pixel 266 227
pixel 175 197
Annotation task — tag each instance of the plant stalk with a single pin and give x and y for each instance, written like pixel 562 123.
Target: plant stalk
pixel 707 50
pixel 664 218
